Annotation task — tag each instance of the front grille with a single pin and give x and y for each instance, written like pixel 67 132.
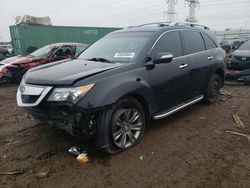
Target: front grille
pixel 239 58
pixel 29 99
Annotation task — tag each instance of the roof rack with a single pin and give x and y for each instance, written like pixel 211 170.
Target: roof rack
pixel 191 25
pixel 159 24
pixel 163 24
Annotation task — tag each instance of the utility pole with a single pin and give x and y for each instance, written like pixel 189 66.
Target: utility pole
pixel 192 5
pixel 171 14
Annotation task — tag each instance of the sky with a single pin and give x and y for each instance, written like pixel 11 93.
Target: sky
pixel 216 14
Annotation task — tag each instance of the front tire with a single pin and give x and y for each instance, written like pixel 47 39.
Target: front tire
pixel 123 125
pixel 213 90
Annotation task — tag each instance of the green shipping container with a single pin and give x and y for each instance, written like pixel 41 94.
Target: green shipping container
pixel 29 36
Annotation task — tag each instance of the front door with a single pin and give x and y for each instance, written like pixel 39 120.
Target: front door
pixel 170 82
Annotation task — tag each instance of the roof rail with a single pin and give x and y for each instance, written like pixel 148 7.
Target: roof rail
pixel 159 24
pixel 191 25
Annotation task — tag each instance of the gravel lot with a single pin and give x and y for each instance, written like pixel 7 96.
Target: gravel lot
pixel 188 149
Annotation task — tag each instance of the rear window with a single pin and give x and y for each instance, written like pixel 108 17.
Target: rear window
pixel 193 42
pixel 209 42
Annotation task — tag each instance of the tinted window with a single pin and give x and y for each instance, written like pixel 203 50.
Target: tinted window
pixel 209 42
pixel 193 42
pixel 169 43
pixel 64 51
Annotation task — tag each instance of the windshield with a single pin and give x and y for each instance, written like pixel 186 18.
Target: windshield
pixel 121 48
pixel 245 46
pixel 41 52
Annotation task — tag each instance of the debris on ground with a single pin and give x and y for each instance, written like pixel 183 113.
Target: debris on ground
pixel 225 92
pixel 82 156
pixel 239 134
pixel 238 122
pixel 46 155
pixel 75 150
pixel 43 172
pixel 141 157
pixel 12 172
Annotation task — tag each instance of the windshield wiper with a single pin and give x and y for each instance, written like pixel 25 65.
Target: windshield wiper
pixel 101 59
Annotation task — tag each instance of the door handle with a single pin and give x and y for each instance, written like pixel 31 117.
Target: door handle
pixel 182 66
pixel 210 57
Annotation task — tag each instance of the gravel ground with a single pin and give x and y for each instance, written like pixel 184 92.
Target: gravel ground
pixel 188 149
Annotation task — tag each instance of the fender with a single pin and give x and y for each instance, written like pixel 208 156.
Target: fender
pixel 107 94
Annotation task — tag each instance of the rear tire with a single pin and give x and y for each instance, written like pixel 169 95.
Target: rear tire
pixel 213 90
pixel 123 125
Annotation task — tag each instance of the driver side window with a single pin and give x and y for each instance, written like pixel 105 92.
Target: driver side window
pixel 64 51
pixel 169 43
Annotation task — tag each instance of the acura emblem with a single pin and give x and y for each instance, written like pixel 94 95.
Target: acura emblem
pixel 22 89
pixel 243 58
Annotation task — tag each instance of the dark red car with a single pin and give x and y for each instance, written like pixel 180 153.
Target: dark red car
pixel 12 69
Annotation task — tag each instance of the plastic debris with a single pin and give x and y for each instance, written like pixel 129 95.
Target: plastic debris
pixel 83 158
pixel 141 157
pixel 75 150
pixel 12 173
pixel 239 134
pixel 238 122
pixel 43 172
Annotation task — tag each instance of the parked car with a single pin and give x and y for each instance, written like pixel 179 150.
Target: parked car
pixel 240 59
pixel 8 47
pixel 4 53
pixel 225 46
pixel 12 69
pixel 121 82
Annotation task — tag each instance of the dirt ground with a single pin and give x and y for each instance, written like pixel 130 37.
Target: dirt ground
pixel 188 149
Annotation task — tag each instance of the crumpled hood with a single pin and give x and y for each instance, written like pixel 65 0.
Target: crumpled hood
pixel 66 72
pixel 242 53
pixel 17 60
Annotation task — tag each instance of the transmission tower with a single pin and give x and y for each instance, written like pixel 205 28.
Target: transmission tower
pixel 171 14
pixel 192 5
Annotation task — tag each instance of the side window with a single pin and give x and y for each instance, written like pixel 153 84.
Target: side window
pixel 193 42
pixel 169 43
pixel 209 42
pixel 64 51
pixel 79 49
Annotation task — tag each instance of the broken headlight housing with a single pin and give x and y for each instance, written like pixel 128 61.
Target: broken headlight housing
pixel 73 94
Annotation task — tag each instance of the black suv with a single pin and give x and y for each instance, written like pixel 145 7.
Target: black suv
pixel 115 87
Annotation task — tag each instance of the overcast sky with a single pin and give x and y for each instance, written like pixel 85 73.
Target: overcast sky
pixel 217 14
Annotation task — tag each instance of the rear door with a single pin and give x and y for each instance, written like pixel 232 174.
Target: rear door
pixel 170 82
pixel 199 60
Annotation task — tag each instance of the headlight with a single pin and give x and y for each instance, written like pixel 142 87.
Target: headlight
pixel 69 94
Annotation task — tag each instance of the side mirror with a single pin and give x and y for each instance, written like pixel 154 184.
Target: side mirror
pixel 163 58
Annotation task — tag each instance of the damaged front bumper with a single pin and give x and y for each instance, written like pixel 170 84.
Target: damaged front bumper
pixel 75 122
pixel 69 117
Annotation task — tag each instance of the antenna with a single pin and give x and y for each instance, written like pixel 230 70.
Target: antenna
pixel 192 5
pixel 171 14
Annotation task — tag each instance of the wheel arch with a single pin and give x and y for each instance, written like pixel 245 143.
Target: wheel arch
pixel 221 74
pixel 145 104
